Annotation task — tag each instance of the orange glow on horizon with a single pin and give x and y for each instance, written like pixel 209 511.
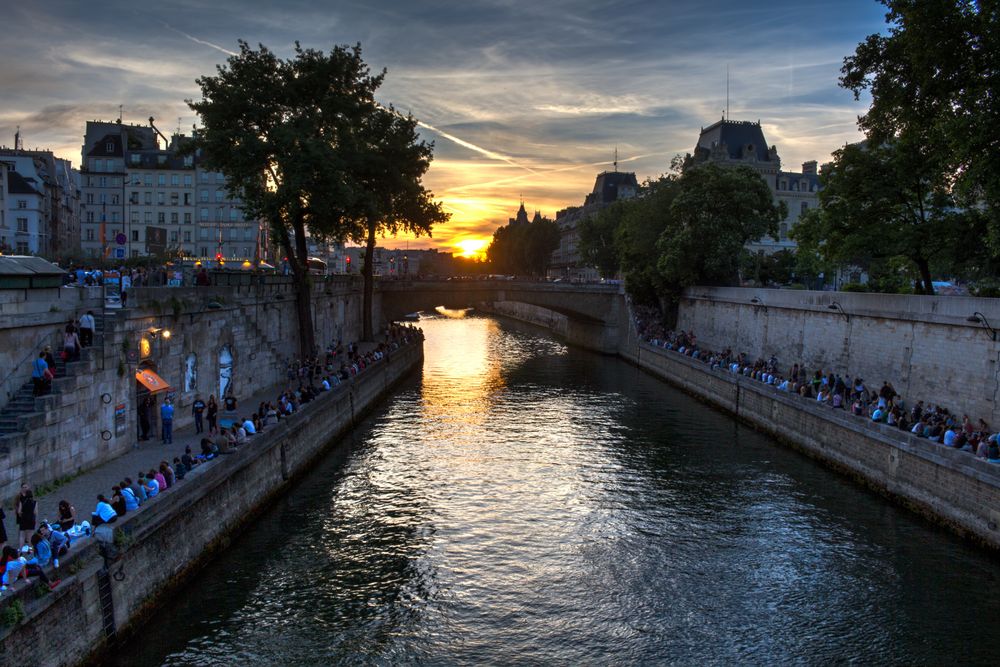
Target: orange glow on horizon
pixel 472 247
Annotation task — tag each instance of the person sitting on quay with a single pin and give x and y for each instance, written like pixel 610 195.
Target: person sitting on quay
pixel 57 540
pixel 248 426
pixel 180 470
pixel 158 478
pixel 150 484
pixel 128 495
pixel 104 513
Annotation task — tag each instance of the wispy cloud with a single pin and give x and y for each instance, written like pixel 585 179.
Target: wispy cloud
pixel 200 41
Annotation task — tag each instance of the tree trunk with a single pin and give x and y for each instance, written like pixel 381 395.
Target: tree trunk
pixel 368 271
pixel 925 275
pixel 297 257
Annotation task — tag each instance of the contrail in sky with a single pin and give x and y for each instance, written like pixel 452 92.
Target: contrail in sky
pixel 514 179
pixel 199 41
pixel 493 155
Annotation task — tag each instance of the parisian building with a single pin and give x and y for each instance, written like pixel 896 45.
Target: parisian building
pixel 609 187
pixel 40 204
pixel 736 142
pixel 144 196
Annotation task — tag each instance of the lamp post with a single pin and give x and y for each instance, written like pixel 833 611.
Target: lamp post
pixel 836 306
pixel 980 318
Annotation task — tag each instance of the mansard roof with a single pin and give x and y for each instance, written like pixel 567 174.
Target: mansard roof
pixel 19 185
pixel 740 137
pixel 100 148
pixel 608 184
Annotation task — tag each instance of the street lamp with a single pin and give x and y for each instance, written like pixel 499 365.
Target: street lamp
pixel 980 318
pixel 836 306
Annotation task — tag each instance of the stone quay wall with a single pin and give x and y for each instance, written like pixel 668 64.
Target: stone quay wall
pixel 91 416
pixel 924 345
pixel 173 535
pixel 948 486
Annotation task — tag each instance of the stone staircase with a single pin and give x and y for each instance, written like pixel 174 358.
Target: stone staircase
pixel 24 407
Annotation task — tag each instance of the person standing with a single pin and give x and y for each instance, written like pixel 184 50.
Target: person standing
pixel 40 375
pixel 87 325
pixel 167 422
pixel 71 343
pixel 198 409
pixel 26 511
pixel 213 415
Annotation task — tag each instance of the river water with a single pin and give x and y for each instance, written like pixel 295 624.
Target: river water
pixel 522 502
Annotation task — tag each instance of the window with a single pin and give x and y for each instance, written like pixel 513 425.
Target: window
pixel 90 199
pixel 135 234
pixel 175 180
pixel 104 199
pixel 175 198
pixel 204 251
pixel 233 234
pixel 173 237
pixel 22 225
pixel 188 160
pixel 187 218
pixel 187 177
pixel 161 179
pixel 203 214
pixel 219 178
pixel 149 218
pixel 204 177
pixel 135 217
pixel 219 196
pixel 783 231
pixel 187 237
pixel 204 234
pixel 805 207
pixel 109 147
pixel 114 216
pixel 234 215
pixel 160 198
pixel 22 248
pixel 114 200
pixel 248 234
pixel 161 159
pixel 148 180
pixel 187 198
pixel 218 214
pixel 148 198
pixel 135 158
pixel 90 234
pixel 98 165
pixel 22 203
pixel 103 181
pixel 173 219
pixel 203 196
pixel 133 198
pixel 90 216
pixel 161 218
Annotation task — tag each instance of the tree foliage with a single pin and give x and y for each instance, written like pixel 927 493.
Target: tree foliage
pixel 934 79
pixel 523 249
pixel 878 203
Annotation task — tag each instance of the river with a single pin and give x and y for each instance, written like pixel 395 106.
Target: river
pixel 522 502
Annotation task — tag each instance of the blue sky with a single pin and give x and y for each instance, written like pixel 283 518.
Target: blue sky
pixel 521 98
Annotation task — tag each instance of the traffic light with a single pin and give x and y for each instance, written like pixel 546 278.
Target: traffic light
pixel 218 257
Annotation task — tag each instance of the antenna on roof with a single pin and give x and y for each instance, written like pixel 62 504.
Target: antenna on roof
pixel 727 91
pixel 120 114
pixel 18 144
pixel 616 159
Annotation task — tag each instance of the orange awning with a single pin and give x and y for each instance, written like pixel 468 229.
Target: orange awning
pixel 151 381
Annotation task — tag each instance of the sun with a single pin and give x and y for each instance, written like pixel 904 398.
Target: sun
pixel 472 247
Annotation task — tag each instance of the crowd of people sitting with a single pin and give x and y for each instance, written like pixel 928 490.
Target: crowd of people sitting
pixel 308 379
pixel 851 394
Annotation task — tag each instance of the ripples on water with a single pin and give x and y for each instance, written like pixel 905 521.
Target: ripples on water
pixel 525 503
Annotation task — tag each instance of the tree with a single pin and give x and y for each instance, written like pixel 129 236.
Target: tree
pixel 715 213
pixel 878 203
pixel 277 129
pixel 643 221
pixel 523 249
pixel 597 239
pixel 388 162
pixel 933 80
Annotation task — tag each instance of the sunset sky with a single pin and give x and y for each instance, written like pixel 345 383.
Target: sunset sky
pixel 521 98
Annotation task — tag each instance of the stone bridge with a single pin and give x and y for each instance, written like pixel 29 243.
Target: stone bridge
pixel 587 315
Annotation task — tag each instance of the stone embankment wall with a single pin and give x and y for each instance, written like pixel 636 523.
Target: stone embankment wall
pixel 177 532
pixel 925 346
pixel 595 335
pixel 946 485
pixel 75 428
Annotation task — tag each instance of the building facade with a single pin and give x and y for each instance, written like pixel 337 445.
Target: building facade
pixel 45 215
pixel 609 187
pixel 742 143
pixel 144 196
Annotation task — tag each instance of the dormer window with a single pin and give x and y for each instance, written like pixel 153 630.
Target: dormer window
pixel 135 158
pixel 109 147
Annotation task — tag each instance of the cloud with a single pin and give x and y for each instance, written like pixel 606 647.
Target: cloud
pixel 200 41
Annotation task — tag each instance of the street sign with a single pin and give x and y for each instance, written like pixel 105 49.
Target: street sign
pixel 121 239
pixel 119 253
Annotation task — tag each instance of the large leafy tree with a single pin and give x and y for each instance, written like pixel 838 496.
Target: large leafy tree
pixel 523 249
pixel 882 202
pixel 715 213
pixel 597 238
pixel 388 162
pixel 934 79
pixel 278 129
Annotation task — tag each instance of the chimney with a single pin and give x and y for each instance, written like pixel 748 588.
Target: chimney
pixel 809 167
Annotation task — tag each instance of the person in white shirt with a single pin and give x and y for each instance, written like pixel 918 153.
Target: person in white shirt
pixel 249 427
